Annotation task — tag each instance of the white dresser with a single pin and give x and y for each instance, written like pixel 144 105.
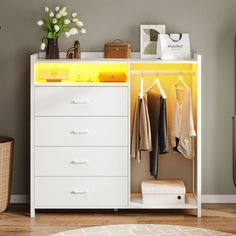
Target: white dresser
pixel 80 138
pixel 80 145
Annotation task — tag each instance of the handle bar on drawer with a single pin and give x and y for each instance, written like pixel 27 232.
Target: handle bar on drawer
pixel 80 162
pixel 80 191
pixel 79 132
pixel 80 101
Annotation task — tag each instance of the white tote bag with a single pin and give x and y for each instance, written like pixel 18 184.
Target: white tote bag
pixel 173 46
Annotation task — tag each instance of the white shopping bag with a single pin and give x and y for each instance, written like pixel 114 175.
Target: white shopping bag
pixel 173 46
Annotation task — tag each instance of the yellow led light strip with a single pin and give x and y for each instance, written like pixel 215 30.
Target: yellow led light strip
pixel 76 72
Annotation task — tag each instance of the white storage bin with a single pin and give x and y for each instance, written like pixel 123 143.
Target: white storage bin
pixel 165 192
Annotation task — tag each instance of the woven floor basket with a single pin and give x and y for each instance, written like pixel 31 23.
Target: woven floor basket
pixel 6 160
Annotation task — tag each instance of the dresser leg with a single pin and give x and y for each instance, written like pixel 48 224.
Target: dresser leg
pixel 32 212
pixel 199 212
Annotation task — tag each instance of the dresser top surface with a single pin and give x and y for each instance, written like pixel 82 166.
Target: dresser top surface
pixel 98 57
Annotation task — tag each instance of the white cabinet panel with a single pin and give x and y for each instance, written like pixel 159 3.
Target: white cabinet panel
pixel 81 161
pixel 81 101
pixel 80 192
pixel 81 131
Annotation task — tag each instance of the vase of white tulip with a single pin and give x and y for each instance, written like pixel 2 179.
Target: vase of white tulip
pixel 55 23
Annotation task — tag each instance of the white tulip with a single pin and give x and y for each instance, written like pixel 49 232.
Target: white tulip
pixel 58 15
pixel 73 31
pixel 46 9
pixel 67 21
pixel 51 14
pixel 67 34
pixel 79 23
pixel 62 11
pixel 74 14
pixel 56 28
pixel 83 31
pixel 75 20
pixel 64 14
pixel 54 20
pixel 40 23
pixel 42 46
pixel 57 8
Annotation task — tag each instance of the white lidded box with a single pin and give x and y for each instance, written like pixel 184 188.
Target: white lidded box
pixel 169 192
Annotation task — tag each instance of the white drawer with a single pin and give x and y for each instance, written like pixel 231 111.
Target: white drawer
pixel 56 192
pixel 81 161
pixel 81 101
pixel 81 131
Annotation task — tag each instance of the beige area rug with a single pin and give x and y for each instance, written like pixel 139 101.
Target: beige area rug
pixel 141 230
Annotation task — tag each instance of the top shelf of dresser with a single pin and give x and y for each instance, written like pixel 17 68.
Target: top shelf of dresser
pixel 98 57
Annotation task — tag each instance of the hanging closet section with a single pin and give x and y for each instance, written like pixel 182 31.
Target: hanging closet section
pixel 163 83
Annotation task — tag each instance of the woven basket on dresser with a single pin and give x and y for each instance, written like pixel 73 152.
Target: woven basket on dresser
pixel 6 160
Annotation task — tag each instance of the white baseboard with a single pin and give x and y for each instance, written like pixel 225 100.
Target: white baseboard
pixel 218 198
pixel 19 199
pixel 205 199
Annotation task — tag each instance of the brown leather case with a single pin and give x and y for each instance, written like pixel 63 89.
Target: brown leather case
pixel 112 77
pixel 117 49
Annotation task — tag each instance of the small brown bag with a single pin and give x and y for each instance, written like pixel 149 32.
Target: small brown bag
pixel 117 49
pixel 112 77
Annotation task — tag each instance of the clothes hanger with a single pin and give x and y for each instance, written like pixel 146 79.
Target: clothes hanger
pixel 181 80
pixel 141 87
pixel 157 82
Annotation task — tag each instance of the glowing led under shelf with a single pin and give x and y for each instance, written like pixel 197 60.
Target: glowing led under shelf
pixel 76 73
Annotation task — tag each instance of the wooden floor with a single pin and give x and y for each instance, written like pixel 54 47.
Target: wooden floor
pixel 16 220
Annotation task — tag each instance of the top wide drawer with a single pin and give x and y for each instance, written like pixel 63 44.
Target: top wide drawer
pixel 81 101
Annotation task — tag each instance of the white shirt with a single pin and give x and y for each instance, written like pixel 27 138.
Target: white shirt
pixel 181 123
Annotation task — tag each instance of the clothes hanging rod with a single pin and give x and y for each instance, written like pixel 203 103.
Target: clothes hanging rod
pixel 161 72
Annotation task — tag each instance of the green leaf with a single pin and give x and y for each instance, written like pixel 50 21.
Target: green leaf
pixel 50 35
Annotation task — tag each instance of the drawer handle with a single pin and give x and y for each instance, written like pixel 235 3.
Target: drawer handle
pixel 80 191
pixel 80 162
pixel 79 132
pixel 76 101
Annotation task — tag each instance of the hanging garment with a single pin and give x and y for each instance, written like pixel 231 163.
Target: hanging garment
pixel 157 114
pixel 141 133
pixel 181 122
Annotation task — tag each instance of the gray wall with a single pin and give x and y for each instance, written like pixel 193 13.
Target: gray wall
pixel 211 25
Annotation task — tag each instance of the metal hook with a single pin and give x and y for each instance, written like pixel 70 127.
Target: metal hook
pixel 141 87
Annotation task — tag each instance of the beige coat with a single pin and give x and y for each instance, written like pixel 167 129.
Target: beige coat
pixel 141 132
pixel 181 123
